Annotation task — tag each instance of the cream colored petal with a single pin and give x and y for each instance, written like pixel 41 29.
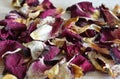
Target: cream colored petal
pixel 42 33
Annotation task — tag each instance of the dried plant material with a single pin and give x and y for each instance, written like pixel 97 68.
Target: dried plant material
pixel 42 33
pixel 78 72
pixel 9 76
pixel 17 3
pixel 36 48
pixel 116 10
pixel 106 63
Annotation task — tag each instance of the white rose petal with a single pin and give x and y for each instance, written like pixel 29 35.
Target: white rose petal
pixel 42 33
pixel 36 48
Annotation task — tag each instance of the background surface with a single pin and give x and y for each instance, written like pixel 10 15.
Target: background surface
pixel 5 7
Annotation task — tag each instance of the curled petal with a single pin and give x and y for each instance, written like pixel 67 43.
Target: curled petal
pixel 15 64
pixel 82 62
pixel 37 69
pixel 52 52
pixel 6 46
pixel 109 17
pixel 83 9
pixel 36 48
pixel 71 36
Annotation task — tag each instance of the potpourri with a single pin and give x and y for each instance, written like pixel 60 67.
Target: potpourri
pixel 37 42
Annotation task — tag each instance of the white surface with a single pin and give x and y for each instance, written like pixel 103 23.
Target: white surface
pixel 5 7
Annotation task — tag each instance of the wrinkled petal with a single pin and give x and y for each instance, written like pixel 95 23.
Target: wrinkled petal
pixel 69 23
pixel 85 21
pixel 101 62
pixel 36 48
pixel 83 9
pixel 79 60
pixel 51 53
pixel 72 50
pixel 77 71
pixel 16 26
pixel 109 17
pixel 15 64
pixel 106 35
pixel 9 45
pixel 59 71
pixel 37 69
pixel 71 36
pixel 88 33
pixel 24 37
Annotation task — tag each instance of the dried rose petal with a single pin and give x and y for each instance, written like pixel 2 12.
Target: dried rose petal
pixel 83 9
pixel 59 71
pixel 15 64
pixel 47 5
pixel 56 26
pixel 77 71
pixel 36 48
pixel 115 53
pixel 32 2
pixel 37 69
pixel 9 76
pixel 71 36
pixel 51 53
pixel 81 61
pixel 72 50
pixel 9 45
pixel 109 17
pixel 43 33
pixel 17 3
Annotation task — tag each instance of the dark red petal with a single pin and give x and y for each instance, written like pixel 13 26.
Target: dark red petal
pixel 109 17
pixel 14 64
pixel 88 33
pixel 82 62
pixel 83 9
pixel 70 36
pixel 9 45
pixel 72 50
pixel 106 35
pixel 16 26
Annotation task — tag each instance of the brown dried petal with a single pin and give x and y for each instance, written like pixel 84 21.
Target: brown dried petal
pixel 16 3
pixel 116 10
pixel 78 72
pixel 93 57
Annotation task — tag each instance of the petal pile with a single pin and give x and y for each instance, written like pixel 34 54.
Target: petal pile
pixel 37 42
